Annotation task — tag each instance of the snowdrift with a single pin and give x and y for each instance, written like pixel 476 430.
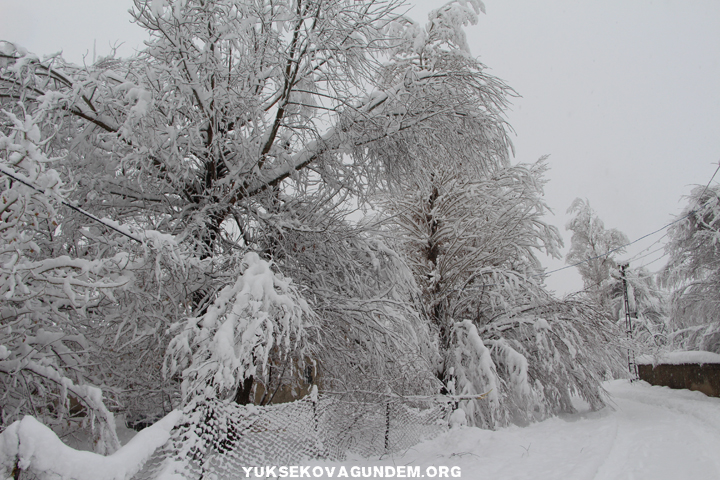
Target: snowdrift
pixel 29 445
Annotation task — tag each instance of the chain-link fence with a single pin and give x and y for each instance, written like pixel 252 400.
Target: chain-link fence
pixel 215 439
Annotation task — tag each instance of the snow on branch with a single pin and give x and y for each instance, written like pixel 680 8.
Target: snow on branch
pixel 261 315
pixel 474 373
pixel 105 440
pixel 51 292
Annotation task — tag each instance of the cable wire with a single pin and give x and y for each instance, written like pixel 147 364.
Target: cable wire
pixel 546 274
pixel 69 205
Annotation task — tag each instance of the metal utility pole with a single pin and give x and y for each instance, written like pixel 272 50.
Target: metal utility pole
pixel 632 366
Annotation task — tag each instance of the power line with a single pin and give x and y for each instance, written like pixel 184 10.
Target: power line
pixel 650 263
pixel 546 274
pixel 614 249
pixel 70 205
pixel 637 257
pixel 708 184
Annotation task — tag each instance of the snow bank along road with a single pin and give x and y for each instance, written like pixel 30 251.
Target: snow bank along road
pixel 647 432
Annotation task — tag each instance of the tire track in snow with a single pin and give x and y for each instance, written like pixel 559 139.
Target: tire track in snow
pixel 695 404
pixel 662 434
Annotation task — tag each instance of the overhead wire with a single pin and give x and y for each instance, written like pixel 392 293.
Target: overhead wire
pixel 70 205
pixel 691 212
pixel 636 257
pixel 587 260
pixel 650 263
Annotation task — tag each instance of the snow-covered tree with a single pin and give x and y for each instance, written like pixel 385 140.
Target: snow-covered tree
pixel 696 337
pixel 259 319
pixel 242 127
pixel 164 202
pixel 648 303
pixel 692 271
pixel 77 307
pixel 593 249
pixel 42 354
pixel 469 225
pixel 461 232
pixel 471 234
pixel 372 335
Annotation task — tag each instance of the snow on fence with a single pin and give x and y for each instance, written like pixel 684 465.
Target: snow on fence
pixel 215 439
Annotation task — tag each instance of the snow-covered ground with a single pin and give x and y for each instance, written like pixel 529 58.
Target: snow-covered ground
pixel 648 433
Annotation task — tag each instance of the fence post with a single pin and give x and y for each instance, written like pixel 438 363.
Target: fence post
pixel 316 421
pixel 387 427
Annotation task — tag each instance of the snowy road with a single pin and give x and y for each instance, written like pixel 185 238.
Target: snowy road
pixel 655 437
pixel 648 433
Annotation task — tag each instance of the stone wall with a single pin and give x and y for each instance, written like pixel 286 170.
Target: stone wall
pixel 703 378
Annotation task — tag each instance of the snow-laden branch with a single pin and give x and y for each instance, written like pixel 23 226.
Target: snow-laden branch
pixel 105 440
pixel 29 446
pixel 260 316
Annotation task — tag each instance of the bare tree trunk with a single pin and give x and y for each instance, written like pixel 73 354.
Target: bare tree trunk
pixel 242 395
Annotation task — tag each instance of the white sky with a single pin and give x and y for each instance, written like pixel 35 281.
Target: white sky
pixel 624 96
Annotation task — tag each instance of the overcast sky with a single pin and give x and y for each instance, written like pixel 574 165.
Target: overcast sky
pixel 623 95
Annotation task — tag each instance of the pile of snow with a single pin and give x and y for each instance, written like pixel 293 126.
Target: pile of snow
pixel 679 358
pixel 35 448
